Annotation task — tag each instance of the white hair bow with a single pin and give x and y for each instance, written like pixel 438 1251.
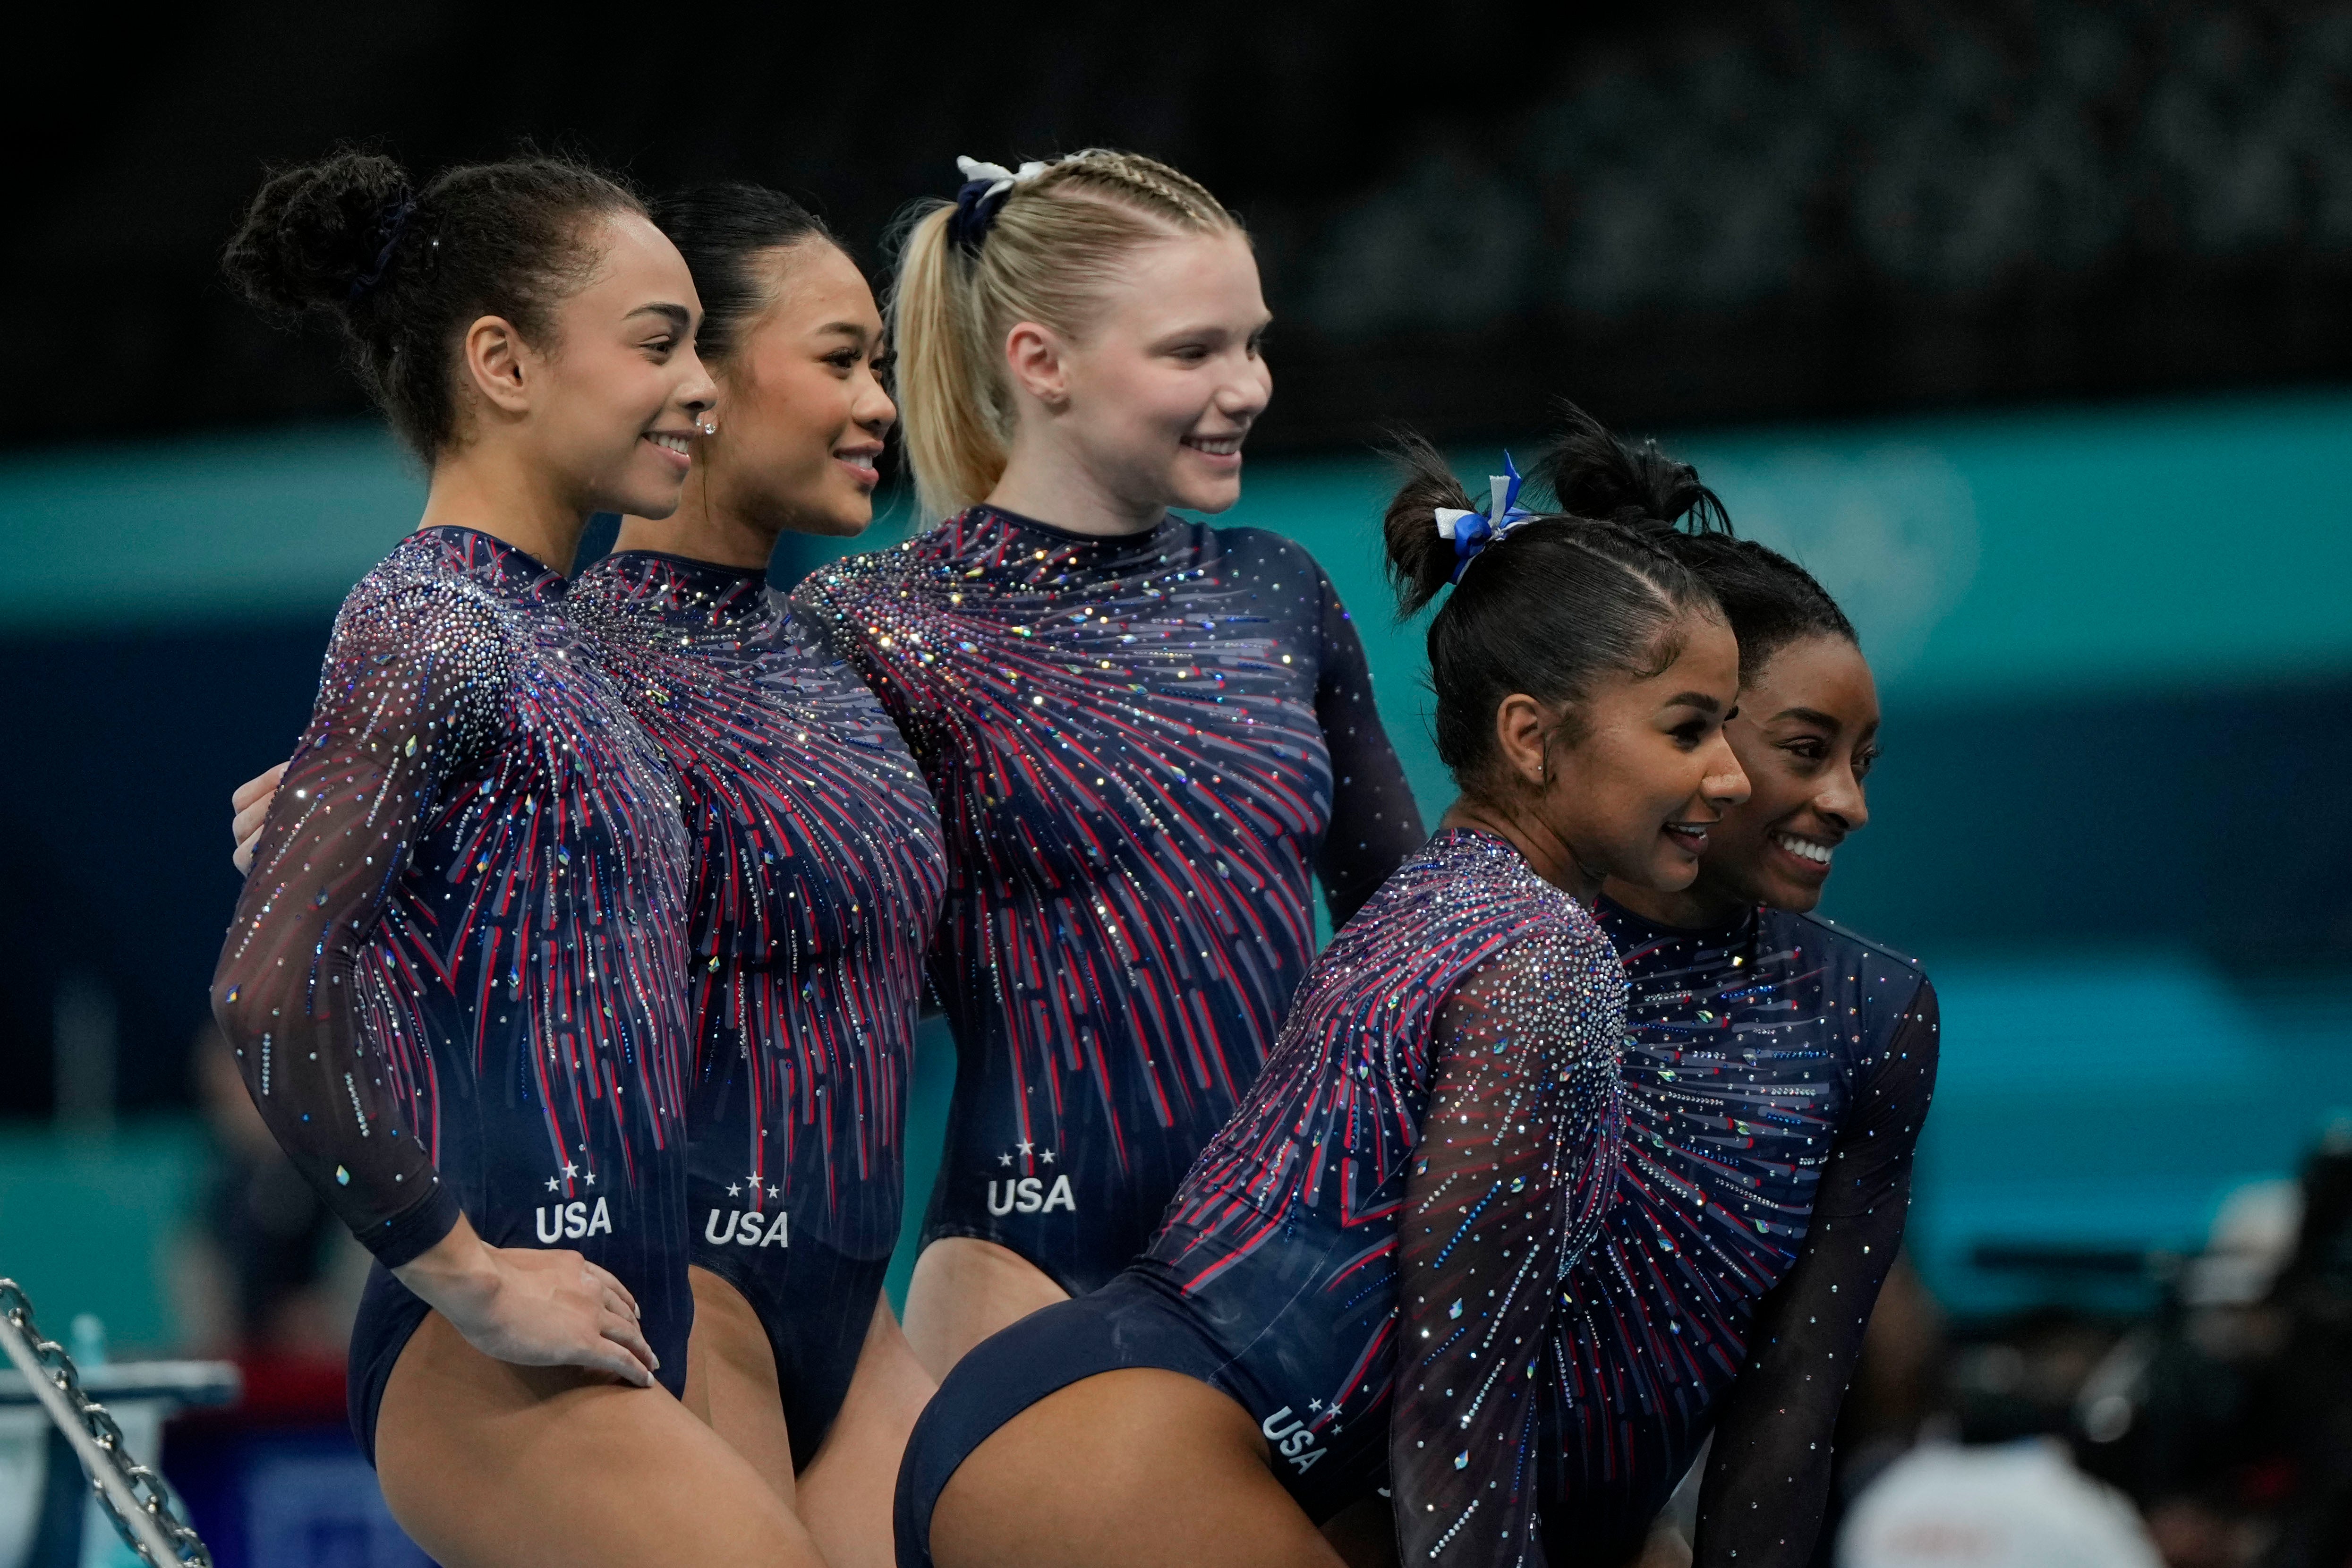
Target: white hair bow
pixel 1000 178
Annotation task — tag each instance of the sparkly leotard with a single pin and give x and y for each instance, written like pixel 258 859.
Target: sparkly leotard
pixel 456 977
pixel 1141 746
pixel 1470 1241
pixel 817 871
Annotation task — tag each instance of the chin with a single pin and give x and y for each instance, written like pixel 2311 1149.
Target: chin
pixel 1795 897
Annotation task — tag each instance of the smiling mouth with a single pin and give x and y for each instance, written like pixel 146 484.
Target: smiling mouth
pixel 862 460
pixel 1805 848
pixel 1215 446
pixel 1691 835
pixel 682 445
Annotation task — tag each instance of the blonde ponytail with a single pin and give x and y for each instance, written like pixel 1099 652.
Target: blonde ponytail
pixel 1053 248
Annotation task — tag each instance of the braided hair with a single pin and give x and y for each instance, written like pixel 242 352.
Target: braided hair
pixel 1047 252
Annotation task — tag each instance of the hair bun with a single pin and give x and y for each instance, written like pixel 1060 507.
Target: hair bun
pixel 315 230
pixel 1592 472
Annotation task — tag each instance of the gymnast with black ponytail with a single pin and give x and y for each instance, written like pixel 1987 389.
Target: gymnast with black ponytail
pixel 456 982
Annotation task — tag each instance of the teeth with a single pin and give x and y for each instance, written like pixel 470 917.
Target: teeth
pixel 859 460
pixel 1223 446
pixel 1817 853
pixel 675 443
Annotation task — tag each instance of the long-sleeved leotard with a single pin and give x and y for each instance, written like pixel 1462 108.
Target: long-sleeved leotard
pixel 817 874
pixel 1527 1332
pixel 1779 1071
pixel 1142 748
pixel 456 979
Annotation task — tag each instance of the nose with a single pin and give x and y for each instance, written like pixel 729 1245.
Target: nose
pixel 1841 800
pixel 1725 784
pixel 698 394
pixel 1247 395
pixel 873 410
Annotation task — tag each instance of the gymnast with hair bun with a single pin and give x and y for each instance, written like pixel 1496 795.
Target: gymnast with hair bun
pixel 456 979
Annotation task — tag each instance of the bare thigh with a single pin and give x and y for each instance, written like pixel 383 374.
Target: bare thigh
pixel 1137 1469
pixel 848 1489
pixel 489 1465
pixel 730 1379
pixel 965 1289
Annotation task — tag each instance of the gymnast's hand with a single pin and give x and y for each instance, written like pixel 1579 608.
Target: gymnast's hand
pixel 532 1307
pixel 251 804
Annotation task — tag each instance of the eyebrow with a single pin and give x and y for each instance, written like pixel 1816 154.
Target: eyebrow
pixel 1698 700
pixel 680 316
pixel 1807 716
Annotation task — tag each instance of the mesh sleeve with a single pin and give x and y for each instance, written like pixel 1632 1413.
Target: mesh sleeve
pixel 1506 1188
pixel 1374 822
pixel 411 678
pixel 1768 1477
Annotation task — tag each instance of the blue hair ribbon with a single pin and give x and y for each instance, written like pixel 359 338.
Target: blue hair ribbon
pixel 1471 532
pixel 982 197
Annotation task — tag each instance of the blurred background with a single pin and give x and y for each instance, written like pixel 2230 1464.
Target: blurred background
pixel 2027 326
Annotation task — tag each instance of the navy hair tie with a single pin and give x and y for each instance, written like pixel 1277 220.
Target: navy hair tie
pixel 981 197
pixel 392 223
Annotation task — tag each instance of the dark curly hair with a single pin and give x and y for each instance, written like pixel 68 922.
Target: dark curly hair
pixel 1770 600
pixel 404 271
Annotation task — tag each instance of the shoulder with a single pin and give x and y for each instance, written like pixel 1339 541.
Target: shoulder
pixel 1263 550
pixel 1867 955
pixel 422 588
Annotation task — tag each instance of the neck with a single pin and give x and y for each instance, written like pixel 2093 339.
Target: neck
pixel 1696 907
pixel 700 530
pixel 1547 853
pixel 492 489
pixel 1043 481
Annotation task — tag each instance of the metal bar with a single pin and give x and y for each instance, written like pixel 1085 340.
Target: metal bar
pixel 95 1461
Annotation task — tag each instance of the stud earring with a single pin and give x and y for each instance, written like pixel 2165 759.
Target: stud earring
pixel 709 426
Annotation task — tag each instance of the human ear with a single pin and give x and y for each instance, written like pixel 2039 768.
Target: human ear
pixel 1037 359
pixel 1522 729
pixel 499 364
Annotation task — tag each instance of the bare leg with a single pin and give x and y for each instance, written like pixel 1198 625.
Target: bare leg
pixel 730 1381
pixel 848 1491
pixel 965 1289
pixel 489 1465
pixel 1139 1469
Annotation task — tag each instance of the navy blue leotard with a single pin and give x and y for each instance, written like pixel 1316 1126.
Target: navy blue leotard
pixel 817 872
pixel 1143 747
pixel 456 977
pixel 1509 1237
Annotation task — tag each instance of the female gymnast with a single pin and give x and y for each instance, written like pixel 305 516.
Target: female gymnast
pixel 1144 732
pixel 456 979
pixel 816 871
pixel 1358 1281
pixel 1777 1070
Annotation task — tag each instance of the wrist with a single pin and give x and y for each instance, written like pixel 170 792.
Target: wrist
pixel 460 1270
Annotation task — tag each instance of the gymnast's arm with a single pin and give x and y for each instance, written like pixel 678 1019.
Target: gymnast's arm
pixel 1768 1477
pixel 1516 1156
pixel 1374 822
pixel 400 709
